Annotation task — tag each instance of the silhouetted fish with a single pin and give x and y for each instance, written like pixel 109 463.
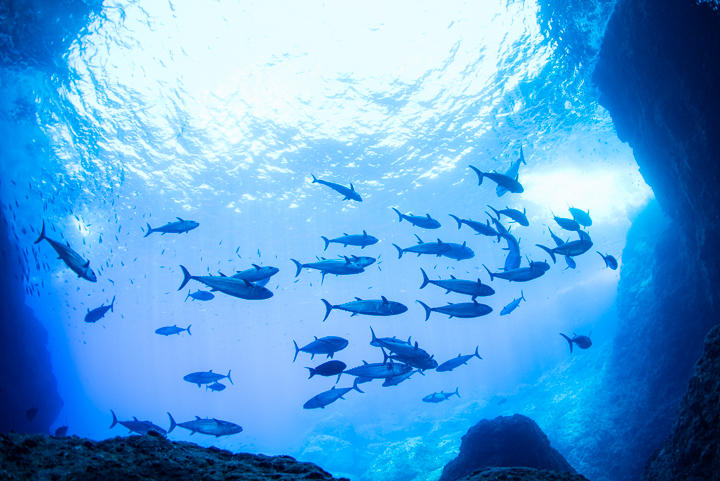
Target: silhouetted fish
pixel 523 274
pixel 212 427
pixel 513 305
pixel 461 309
pixel 327 369
pixel 140 427
pixel 583 342
pixel 425 221
pixel 99 312
pixel 170 330
pixel 256 273
pixel 205 377
pixel 200 295
pixel 513 214
pixel 325 345
pixel 458 361
pixel 471 288
pixel 349 194
pixel 439 396
pixel 478 227
pixel 512 172
pixel 582 218
pixel 430 248
pixel 610 261
pixel 352 240
pixel 372 307
pixel 239 288
pixel 179 227
pixel 72 259
pixel 216 386
pixel 329 397
pixel 508 183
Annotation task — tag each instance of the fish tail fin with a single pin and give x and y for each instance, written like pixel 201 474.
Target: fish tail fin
pixel 328 308
pixel 456 392
pixel 327 242
pixel 297 351
pixel 426 279
pixel 522 295
pixel 186 297
pixel 115 421
pixel 497 214
pixel 603 258
pixel 492 277
pixel 172 423
pixel 480 174
pixel 476 353
pixel 398 213
pixel 314 179
pixel 229 378
pixel 188 329
pixel 568 340
pixel 355 386
pixel 427 309
pixel 400 251
pixel 549 251
pixel 186 277
pixel 149 230
pixel 42 234
pixel 522 156
pixel 299 267
pixel 374 338
pixel 312 372
pixel 457 219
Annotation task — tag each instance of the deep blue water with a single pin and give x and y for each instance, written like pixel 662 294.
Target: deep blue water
pixel 220 114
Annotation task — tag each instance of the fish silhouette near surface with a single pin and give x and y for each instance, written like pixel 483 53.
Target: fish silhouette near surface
pixel 581 217
pixel 610 261
pixel 357 240
pixel 135 426
pixel 470 288
pixel 72 259
pixel 522 274
pixel 170 330
pixel 478 227
pixel 205 377
pixel 425 221
pixel 212 427
pixel 440 396
pixel 512 172
pixel 240 288
pixel 513 305
pixel 325 345
pixel 179 227
pixel 514 214
pixel 457 362
pixel 508 183
pixel 583 342
pixel 567 224
pixel 349 194
pixel 99 312
pixel 572 248
pixel 327 369
pixel 328 397
pixel 200 295
pixel 371 307
pixel 431 248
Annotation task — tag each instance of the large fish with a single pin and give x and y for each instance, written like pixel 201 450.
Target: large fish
pixel 439 396
pixel 431 248
pixel 349 194
pixel 582 218
pixel 239 288
pixel 212 427
pixel 461 309
pixel 398 346
pixel 421 363
pixel 99 312
pixel 327 369
pixel 256 273
pixel 512 172
pixel 379 370
pixel 425 221
pixel 514 214
pixel 205 377
pixel 329 397
pixel 372 307
pixel 471 288
pixel 135 426
pixel 72 259
pixel 179 227
pixel 513 305
pixel 330 266
pixel 478 227
pixel 352 240
pixel 457 251
pixel 583 342
pixel 456 362
pixel 325 345
pixel 565 223
pixel 200 295
pixel 170 330
pixel 572 248
pixel 523 274
pixel 508 183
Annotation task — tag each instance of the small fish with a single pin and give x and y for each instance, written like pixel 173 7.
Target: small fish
pixel 99 312
pixel 31 413
pixel 514 214
pixel 502 180
pixel 329 397
pixel 456 362
pixel 582 218
pixel 431 248
pixel 327 369
pixel 610 261
pixel 200 295
pixel 513 305
pixel 352 240
pixel 349 194
pixel 440 396
pixel 522 274
pixel 583 342
pixel 373 307
pixel 425 221
pixel 170 330
pixel 217 387
pixel 565 223
pixel 478 227
pixel 179 227
pixel 325 345
pixel 461 309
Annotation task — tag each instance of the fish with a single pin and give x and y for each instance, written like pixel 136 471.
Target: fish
pixel 565 223
pixel 430 248
pixel 508 183
pixel 572 248
pixel 582 218
pixel 439 397
pixel 99 312
pixel 502 401
pixel 358 240
pixel 327 369
pixel 325 266
pixel 200 295
pixel 395 380
pixel 373 307
pixel 398 346
pixel 420 363
pixel 328 397
pixel 212 427
pixel 425 221
pixel 362 261
pixel 379 370
pixel 457 362
pixel 216 386
pixel 61 432
pixel 72 259
pixel 239 288
pixel 256 273
pixel 325 345
pixel 522 274
pixel 205 377
pixel 513 259
pixel 558 242
pixel 179 227
pixel 478 227
pixel 457 251
pixel 610 261
pixel 583 342
pixel 514 214
pixel 135 426
pixel 513 305
pixel 349 194
pixel 31 413
pixel 512 172
pixel 470 288
pixel 461 309
pixel 170 330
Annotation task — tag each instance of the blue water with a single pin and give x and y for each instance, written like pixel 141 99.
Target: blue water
pixel 220 113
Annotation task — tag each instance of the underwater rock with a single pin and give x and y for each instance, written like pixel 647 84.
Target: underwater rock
pixel 521 474
pixel 692 451
pixel 506 441
pixel 38 456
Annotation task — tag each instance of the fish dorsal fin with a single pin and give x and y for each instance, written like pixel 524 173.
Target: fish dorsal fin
pixel 134 418
pixel 364 363
pixel 351 187
pixel 439 241
pixel 87 264
pixel 464 242
pixel 347 260
pixel 475 302
pixel 357 298
pixel 385 301
pixel 210 370
pixel 428 216
pixel 416 345
pixel 218 422
pixel 247 283
pixel 178 218
pixel 345 234
pixel 459 354
pixel 333 388
pixel 452 276
pixel 364 233
pixel 419 239
pixel 256 266
pixel 221 274
pixel 198 418
pixel 409 339
pixel 479 282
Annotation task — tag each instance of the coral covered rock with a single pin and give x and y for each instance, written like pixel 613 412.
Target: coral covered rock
pixel 522 474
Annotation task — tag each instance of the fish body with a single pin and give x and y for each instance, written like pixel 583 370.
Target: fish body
pixel 200 295
pixel 610 261
pixel 326 266
pixel 421 363
pixel 239 288
pixel 99 312
pixel 514 214
pixel 522 274
pixel 508 183
pixel 425 221
pixel 327 369
pixel 349 194
pixel 179 227
pixel 431 248
pixel 439 397
pixel 362 261
pixel 371 307
pixel 457 251
pixel 501 229
pixel 513 259
pixel 357 240
pixel 256 273
pixel 170 330
pixel 329 397
pixel 567 224
pixel 461 309
pixel 478 227
pixel 470 288
pixel 581 217
pixel 512 172
pixel 399 347
pixel 216 386
pixel 456 362
pixel 558 242
pixel 571 249
pixel 513 305
pixel 135 426
pixel 72 259
pixel 325 345
pixel 379 370
pixel 212 427
pixel 395 380
pixel 583 342
pixel 205 377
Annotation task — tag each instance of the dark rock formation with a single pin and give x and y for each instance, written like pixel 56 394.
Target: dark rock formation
pixel 692 452
pixel 506 441
pixel 522 474
pixel 36 456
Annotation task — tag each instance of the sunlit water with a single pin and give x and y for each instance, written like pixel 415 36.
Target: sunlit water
pixel 219 113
